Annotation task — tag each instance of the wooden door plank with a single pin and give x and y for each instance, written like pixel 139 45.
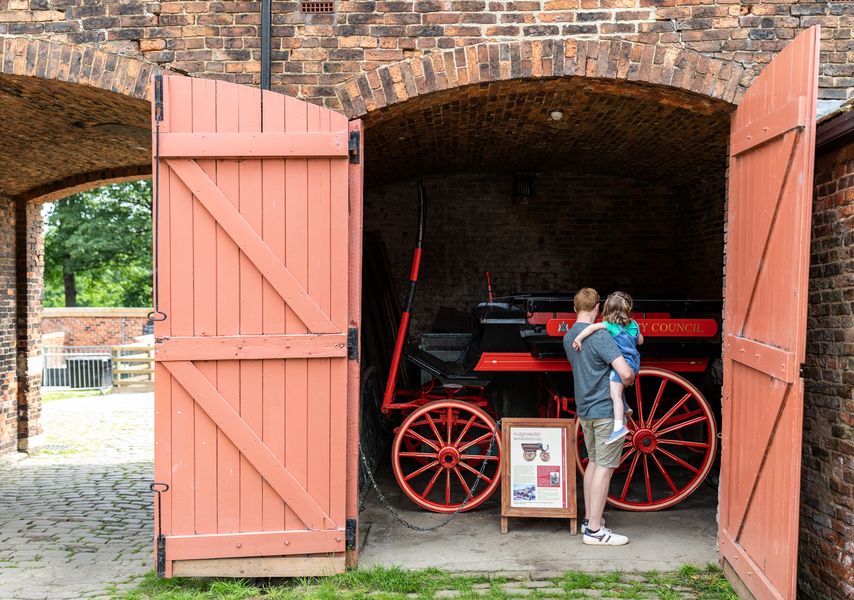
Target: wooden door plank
pixel 775 362
pixel 251 310
pixel 228 319
pixel 181 258
pixel 749 571
pixel 274 543
pixel 250 445
pixel 204 315
pixel 319 287
pixel 252 245
pixel 273 234
pixel 268 566
pixel 254 145
pixel 252 347
pixel 296 370
pixel 770 126
pixel 354 316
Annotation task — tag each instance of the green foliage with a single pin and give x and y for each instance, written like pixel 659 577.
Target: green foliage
pixel 98 243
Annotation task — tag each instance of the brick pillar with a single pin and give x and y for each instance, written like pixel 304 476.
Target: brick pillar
pixel 30 283
pixel 8 381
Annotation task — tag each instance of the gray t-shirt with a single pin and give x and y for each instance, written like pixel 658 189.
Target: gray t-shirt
pixel 590 370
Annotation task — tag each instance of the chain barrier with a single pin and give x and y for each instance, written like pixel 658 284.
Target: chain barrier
pixel 453 515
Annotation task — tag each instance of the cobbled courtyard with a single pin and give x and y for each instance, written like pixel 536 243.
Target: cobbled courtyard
pixel 76 516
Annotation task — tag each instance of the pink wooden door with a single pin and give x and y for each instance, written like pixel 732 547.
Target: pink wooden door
pixel 770 200
pixel 251 397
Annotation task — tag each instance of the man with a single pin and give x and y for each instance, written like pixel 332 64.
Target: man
pixel 591 367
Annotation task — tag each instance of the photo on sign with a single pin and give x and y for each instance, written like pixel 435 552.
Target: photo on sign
pixel 524 493
pixel 548 476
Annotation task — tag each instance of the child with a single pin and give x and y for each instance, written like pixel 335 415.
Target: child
pixel 627 335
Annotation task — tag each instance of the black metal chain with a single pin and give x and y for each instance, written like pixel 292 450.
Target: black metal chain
pixel 453 515
pixel 157 314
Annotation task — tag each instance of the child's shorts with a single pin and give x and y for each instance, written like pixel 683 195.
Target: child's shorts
pixel 615 377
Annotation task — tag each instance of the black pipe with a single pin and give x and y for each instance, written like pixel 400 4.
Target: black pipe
pixel 266 20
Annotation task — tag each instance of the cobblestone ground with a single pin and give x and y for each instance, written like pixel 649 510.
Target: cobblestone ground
pixel 76 517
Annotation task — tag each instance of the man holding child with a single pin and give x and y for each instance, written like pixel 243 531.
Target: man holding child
pixel 591 367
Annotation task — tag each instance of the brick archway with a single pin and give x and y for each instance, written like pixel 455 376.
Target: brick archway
pixel 672 67
pixel 83 65
pixel 82 118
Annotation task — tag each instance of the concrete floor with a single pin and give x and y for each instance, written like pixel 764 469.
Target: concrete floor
pixel 663 540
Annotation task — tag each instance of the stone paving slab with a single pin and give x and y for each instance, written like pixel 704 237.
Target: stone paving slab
pixel 77 520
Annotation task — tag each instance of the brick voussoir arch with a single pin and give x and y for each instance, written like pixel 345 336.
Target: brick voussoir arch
pixel 84 65
pixel 494 61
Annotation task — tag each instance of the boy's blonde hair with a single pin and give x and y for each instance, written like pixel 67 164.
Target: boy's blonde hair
pixel 585 300
pixel 618 306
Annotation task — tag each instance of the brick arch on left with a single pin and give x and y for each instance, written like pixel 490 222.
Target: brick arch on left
pixel 79 118
pixel 74 118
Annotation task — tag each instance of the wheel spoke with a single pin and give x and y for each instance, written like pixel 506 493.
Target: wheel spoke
pixel 627 454
pixel 629 477
pixel 465 430
pixel 670 412
pixel 419 454
pixel 666 476
pixel 694 421
pixel 683 443
pixel 673 457
pixel 476 472
pixel 646 478
pixel 639 399
pixel 465 447
pixel 658 396
pixel 463 481
pixel 421 438
pixel 435 430
pixel 478 457
pixel 432 482
pixel 418 472
pixel 450 422
pixel 447 487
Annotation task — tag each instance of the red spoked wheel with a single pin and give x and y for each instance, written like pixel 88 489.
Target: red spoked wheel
pixel 671 445
pixel 450 441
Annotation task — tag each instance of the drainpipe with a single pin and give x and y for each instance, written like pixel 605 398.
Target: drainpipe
pixel 266 19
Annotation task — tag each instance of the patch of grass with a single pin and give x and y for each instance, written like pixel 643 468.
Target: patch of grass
pixel 66 394
pixel 393 583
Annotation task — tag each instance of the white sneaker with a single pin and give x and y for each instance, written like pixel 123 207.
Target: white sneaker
pixel 604 537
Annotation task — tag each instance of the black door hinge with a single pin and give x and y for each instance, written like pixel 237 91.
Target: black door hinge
pixel 350 534
pixel 158 98
pixel 354 146
pixel 353 343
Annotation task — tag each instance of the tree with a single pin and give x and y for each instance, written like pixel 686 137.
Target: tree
pixel 98 247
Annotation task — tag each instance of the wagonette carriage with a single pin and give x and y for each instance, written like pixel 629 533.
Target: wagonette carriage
pixel 510 361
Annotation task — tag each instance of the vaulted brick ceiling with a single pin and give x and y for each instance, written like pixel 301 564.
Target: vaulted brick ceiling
pixel 622 128
pixel 57 135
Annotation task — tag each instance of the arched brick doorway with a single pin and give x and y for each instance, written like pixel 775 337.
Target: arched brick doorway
pixel 628 144
pixel 75 117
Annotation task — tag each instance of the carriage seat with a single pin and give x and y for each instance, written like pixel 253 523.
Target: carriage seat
pixel 447 372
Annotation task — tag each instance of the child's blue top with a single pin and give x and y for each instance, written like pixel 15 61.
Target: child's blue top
pixel 626 338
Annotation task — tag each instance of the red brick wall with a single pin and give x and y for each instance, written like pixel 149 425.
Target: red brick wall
pixel 97 328
pixel 608 232
pixel 8 364
pixel 826 565
pixel 312 54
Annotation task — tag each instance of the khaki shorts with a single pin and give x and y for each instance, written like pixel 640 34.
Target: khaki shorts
pixel 596 433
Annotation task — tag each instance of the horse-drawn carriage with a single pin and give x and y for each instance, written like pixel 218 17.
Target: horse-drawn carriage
pixel 446 451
